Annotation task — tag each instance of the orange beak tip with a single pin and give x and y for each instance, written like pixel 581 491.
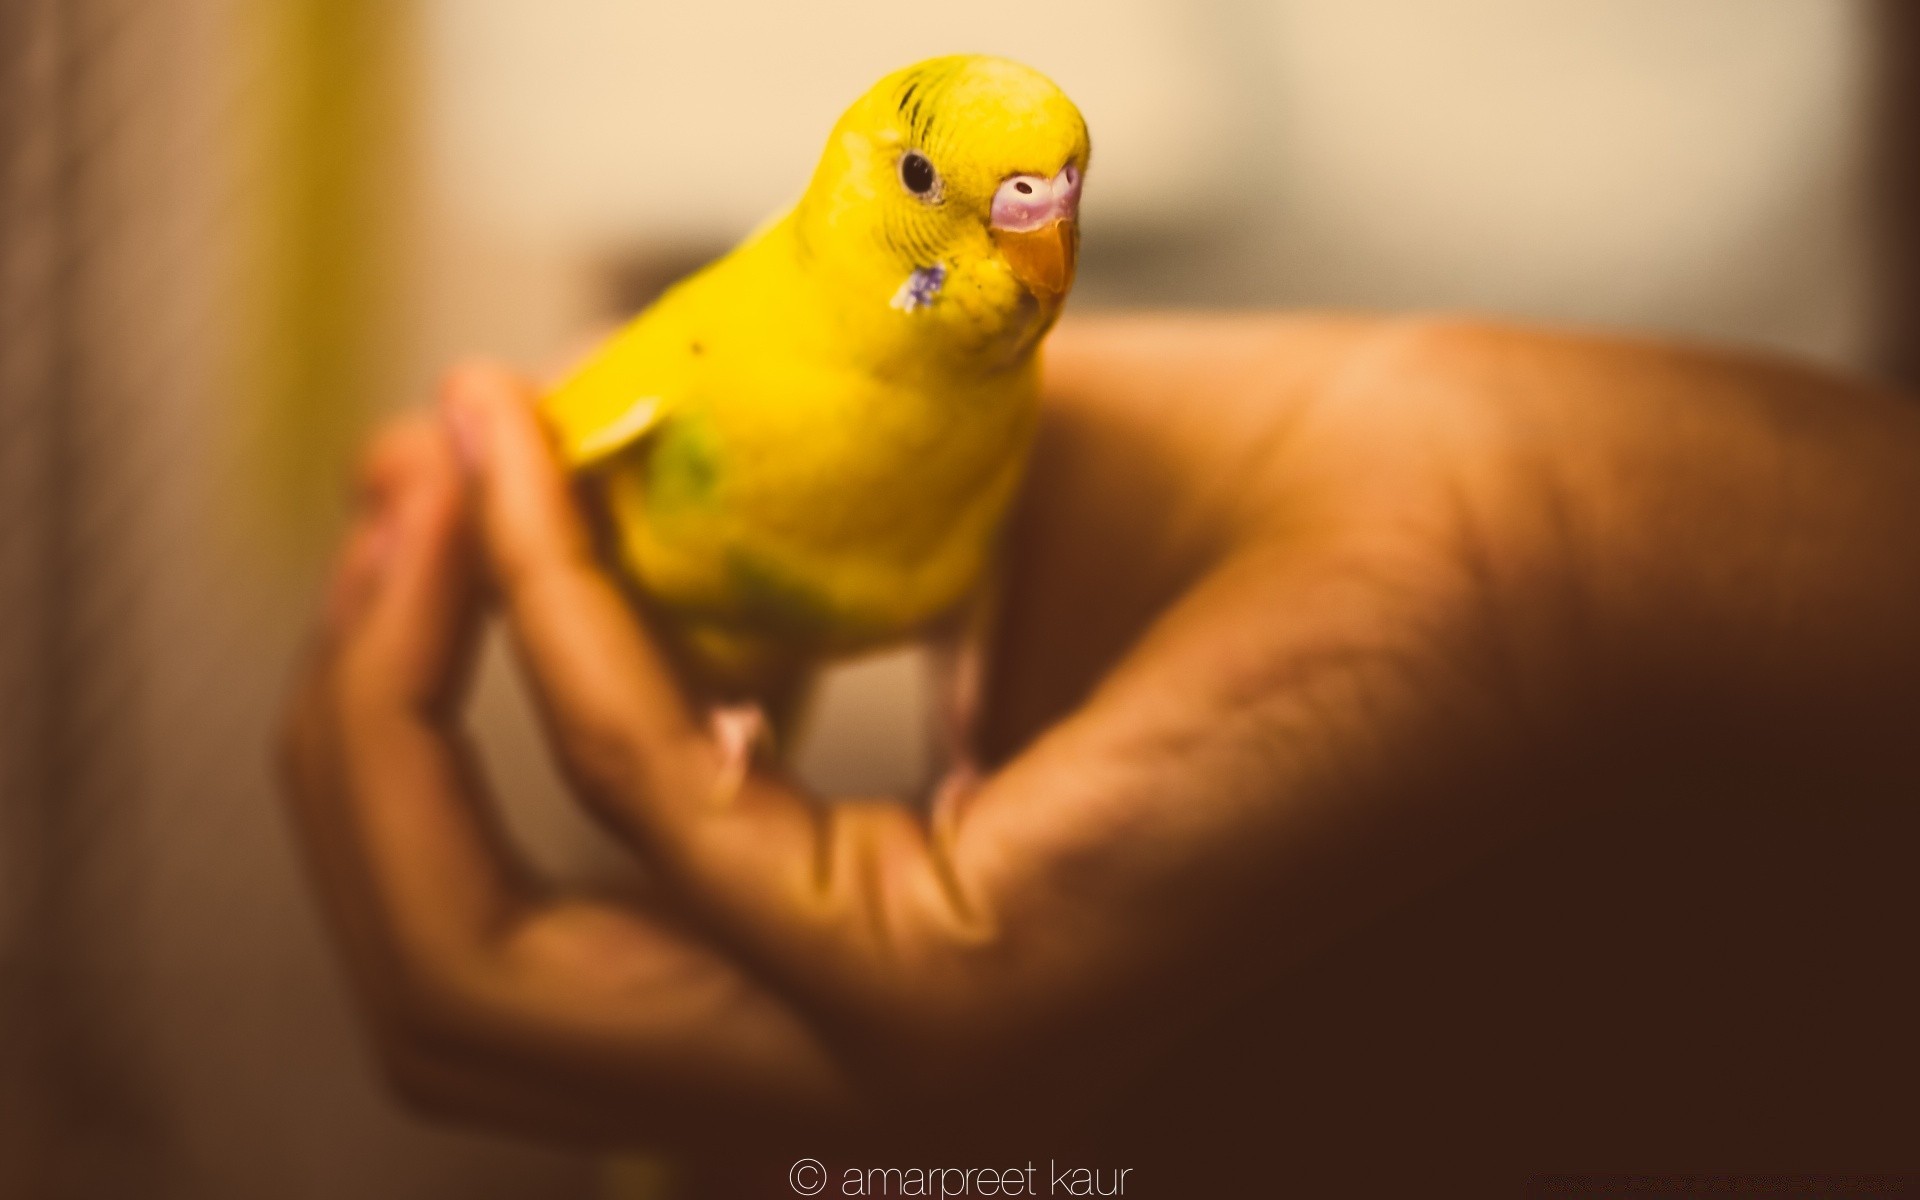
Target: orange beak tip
pixel 1042 259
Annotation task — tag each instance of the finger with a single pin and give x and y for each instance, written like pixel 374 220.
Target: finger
pixel 369 538
pixel 1158 436
pixel 586 1022
pixel 432 841
pixel 775 870
pixel 356 569
pixel 608 692
pixel 836 901
pixel 571 1016
pixel 831 901
pixel 624 727
pixel 827 899
pixel 412 860
pixel 618 1025
pixel 1238 782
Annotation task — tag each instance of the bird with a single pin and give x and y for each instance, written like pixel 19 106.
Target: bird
pixel 807 449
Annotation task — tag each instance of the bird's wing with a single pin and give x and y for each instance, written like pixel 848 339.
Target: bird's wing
pixel 584 446
pixel 611 401
pixel 640 376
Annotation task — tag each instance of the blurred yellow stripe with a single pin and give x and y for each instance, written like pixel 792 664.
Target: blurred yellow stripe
pixel 325 144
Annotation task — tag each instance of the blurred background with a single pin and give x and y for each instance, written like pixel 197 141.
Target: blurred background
pixel 235 232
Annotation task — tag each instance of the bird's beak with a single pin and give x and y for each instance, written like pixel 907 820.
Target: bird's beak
pixel 1042 259
pixel 1036 224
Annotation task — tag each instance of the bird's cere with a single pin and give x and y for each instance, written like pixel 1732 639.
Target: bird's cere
pixel 919 288
pixel 1027 202
pixel 1035 225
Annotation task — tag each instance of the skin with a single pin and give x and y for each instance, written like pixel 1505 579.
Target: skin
pixel 1376 708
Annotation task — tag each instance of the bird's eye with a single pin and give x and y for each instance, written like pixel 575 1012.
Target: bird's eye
pixel 917 173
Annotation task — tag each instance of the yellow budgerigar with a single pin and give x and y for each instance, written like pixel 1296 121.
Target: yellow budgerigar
pixel 806 449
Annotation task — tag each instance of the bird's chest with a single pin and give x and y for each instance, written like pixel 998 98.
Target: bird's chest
pixel 869 502
pixel 871 469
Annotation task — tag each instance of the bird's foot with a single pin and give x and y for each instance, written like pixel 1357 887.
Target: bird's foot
pixel 957 671
pixel 961 780
pixel 739 730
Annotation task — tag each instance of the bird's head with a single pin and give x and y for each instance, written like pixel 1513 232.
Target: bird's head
pixel 958 178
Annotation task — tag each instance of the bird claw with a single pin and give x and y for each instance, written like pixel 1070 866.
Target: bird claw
pixel 961 780
pixel 738 730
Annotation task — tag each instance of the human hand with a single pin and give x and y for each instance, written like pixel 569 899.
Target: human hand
pixel 1304 617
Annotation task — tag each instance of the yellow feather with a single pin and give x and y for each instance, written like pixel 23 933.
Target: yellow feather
pixel 796 463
